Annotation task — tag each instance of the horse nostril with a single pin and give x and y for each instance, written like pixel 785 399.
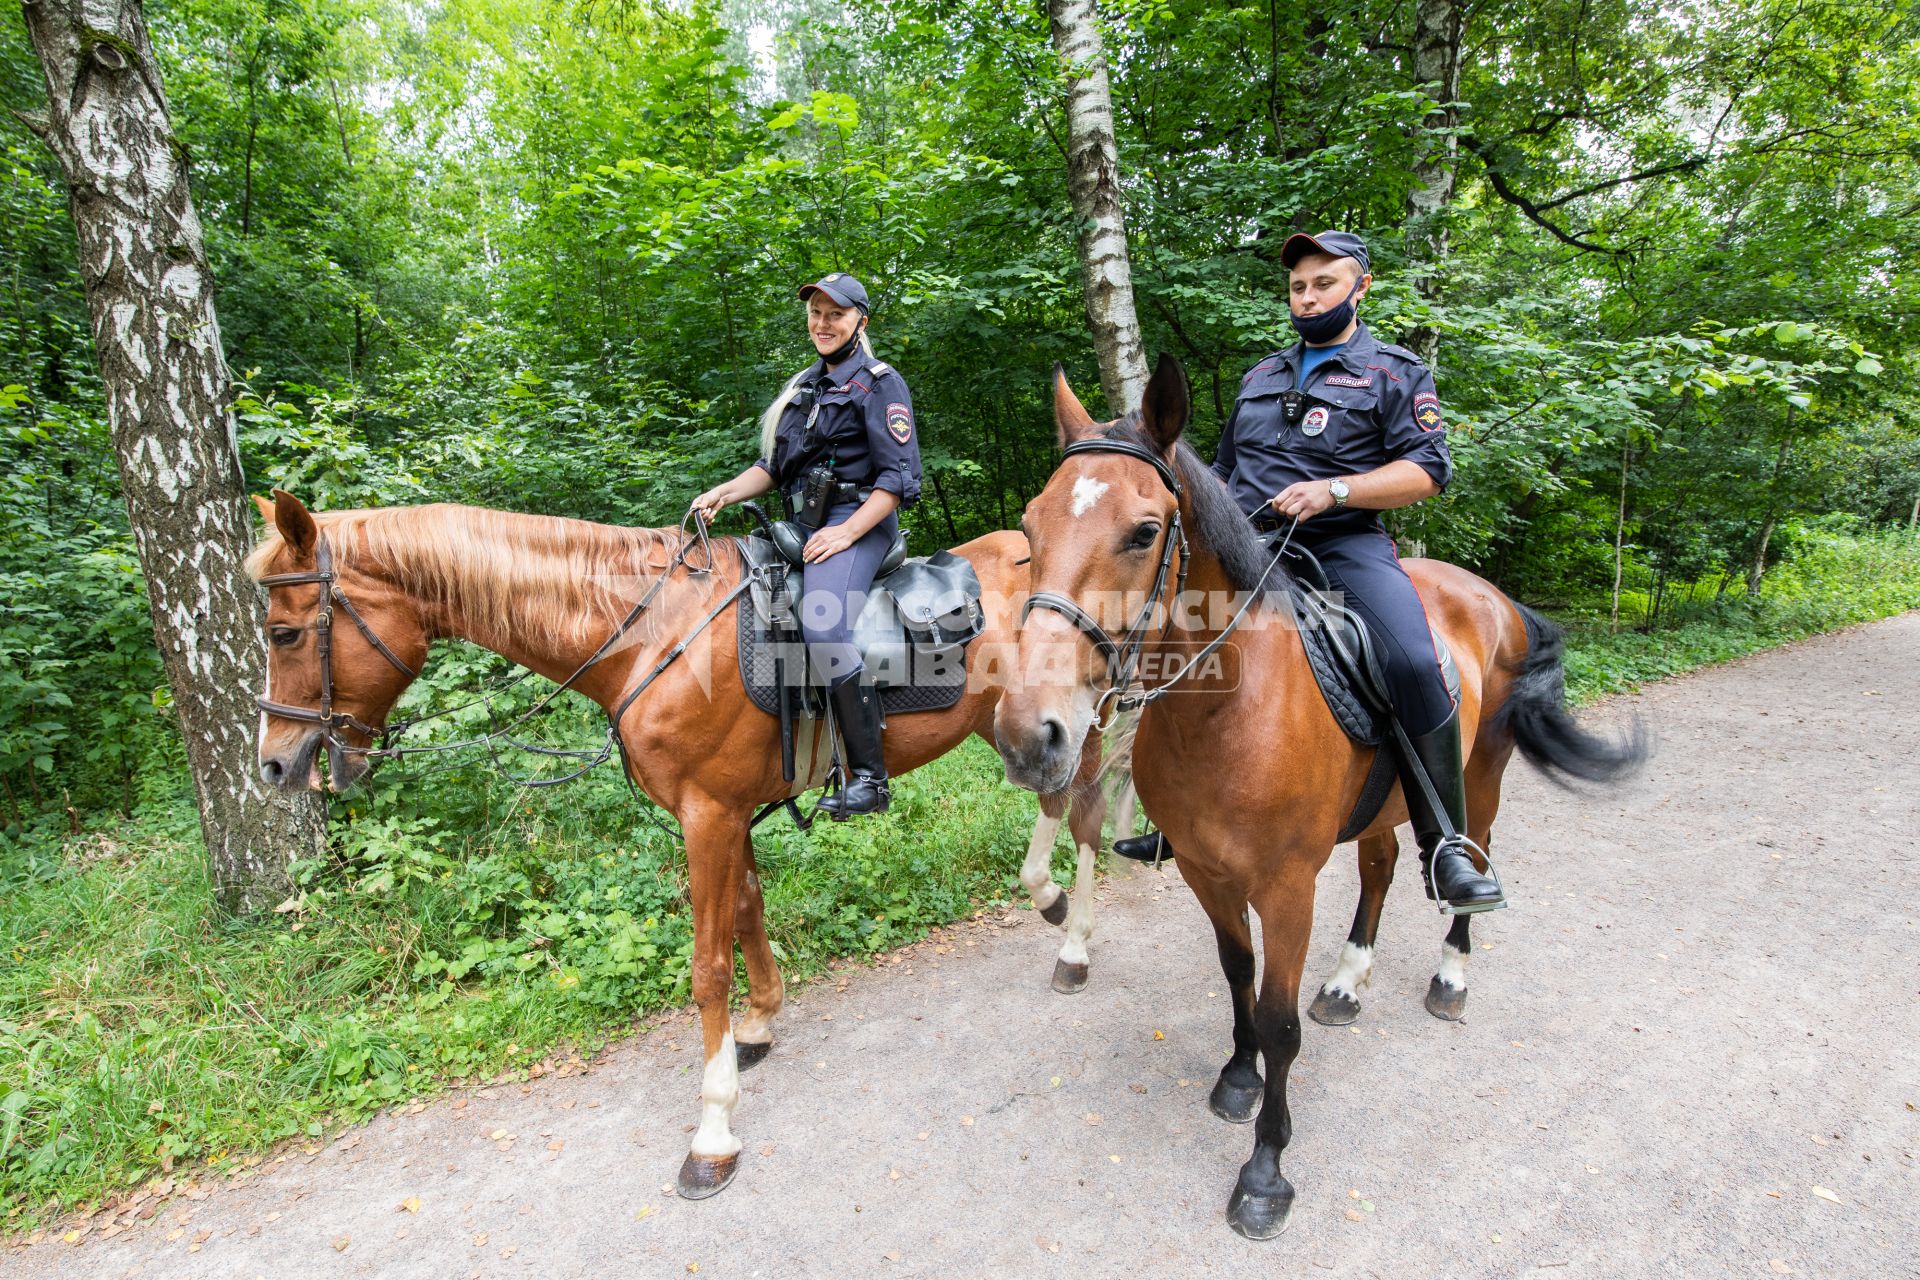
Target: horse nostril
pixel 273 771
pixel 1056 731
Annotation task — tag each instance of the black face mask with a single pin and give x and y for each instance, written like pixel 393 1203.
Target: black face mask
pixel 847 348
pixel 1327 325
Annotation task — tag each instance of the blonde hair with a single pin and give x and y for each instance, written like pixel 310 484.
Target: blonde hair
pixel 770 420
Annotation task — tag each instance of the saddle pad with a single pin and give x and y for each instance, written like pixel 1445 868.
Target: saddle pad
pixel 761 649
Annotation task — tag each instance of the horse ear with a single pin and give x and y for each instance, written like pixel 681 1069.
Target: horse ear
pixel 1069 414
pixel 1168 405
pixel 265 506
pixel 295 523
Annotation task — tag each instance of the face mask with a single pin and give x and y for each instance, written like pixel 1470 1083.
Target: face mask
pixel 847 348
pixel 1327 325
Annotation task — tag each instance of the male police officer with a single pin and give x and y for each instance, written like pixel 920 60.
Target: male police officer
pixel 1330 432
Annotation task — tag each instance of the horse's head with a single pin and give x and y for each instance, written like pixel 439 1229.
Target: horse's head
pixel 342 646
pixel 1108 550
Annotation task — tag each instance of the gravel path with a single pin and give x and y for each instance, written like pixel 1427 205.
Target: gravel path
pixel 1692 1049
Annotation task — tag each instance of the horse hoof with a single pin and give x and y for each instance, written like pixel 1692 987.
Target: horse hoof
pixel 1235 1103
pixel 1068 978
pixel 1446 1002
pixel 703 1176
pixel 1257 1216
pixel 1056 911
pixel 1335 1009
pixel 746 1055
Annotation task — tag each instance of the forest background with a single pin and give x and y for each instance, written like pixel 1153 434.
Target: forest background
pixel 541 254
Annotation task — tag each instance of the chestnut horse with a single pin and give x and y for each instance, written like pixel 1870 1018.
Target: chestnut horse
pixel 550 594
pixel 1240 763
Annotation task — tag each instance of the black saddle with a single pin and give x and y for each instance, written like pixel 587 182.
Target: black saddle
pixel 912 633
pixel 1347 667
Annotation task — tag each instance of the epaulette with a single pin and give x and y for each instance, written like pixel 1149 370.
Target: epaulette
pixel 1402 352
pixel 879 367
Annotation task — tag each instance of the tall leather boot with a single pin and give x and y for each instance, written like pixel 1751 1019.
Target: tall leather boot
pixel 1150 847
pixel 856 706
pixel 1452 872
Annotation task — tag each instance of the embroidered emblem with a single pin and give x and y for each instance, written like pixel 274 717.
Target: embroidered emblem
pixel 1426 397
pixel 1315 422
pixel 1428 416
pixel 1346 380
pixel 829 279
pixel 899 422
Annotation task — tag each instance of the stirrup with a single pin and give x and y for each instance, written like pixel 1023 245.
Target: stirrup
pixel 1433 889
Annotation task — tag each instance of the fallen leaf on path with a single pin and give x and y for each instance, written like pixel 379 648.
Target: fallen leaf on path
pixel 1115 1159
pixel 1826 1195
pixel 1778 1267
pixel 340 1244
pixel 556 1144
pixel 893 1175
pixel 1353 1193
pixel 480 1240
pixel 509 1251
pixel 967 1121
pixel 1055 1082
pixel 892 1257
pixel 922 1136
pixel 1354 1215
pixel 1159 1035
pixel 172 1235
pixel 644 1212
pixel 1051 1246
pixel 1093 1117
pixel 769 1149
pixel 410 1205
pixel 73 1237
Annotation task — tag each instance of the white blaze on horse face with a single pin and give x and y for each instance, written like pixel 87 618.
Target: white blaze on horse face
pixel 1086 492
pixel 1453 968
pixel 719 1094
pixel 1354 971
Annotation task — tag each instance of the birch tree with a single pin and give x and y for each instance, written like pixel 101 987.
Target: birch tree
pixel 150 305
pixel 1438 26
pixel 1093 182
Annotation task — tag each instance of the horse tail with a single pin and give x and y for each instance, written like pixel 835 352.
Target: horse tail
pixel 1536 714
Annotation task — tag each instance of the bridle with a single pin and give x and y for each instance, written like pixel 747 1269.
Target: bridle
pixel 330 721
pixel 1123 659
pixel 1123 656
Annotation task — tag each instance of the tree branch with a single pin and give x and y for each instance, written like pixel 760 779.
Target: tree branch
pixel 36 123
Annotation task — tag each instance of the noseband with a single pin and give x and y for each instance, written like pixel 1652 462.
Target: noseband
pixel 322 627
pixel 1124 656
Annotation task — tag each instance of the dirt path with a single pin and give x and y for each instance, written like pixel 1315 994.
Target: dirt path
pixel 1704 1004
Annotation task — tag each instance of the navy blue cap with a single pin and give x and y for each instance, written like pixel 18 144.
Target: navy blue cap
pixel 1338 244
pixel 842 288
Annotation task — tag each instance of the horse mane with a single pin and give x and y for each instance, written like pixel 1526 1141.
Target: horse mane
pixel 1218 525
pixel 521 577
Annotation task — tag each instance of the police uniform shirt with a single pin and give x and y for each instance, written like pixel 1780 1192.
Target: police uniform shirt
pixel 863 425
pixel 1369 405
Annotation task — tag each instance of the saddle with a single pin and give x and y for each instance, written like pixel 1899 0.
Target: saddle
pixel 912 634
pixel 1346 666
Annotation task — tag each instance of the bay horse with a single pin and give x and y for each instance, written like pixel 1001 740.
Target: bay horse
pixel 550 594
pixel 1240 763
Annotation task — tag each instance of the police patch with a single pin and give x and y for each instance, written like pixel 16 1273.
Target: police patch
pixel 899 422
pixel 1426 411
pixel 1346 380
pixel 1315 422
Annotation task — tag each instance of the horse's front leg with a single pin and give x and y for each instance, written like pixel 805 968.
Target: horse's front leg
pixel 1262 1196
pixel 1084 820
pixel 753 1034
pixel 1036 873
pixel 1237 1092
pixel 1339 1000
pixel 716 871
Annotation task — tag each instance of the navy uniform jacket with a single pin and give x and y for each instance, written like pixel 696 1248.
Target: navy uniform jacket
pixel 1367 406
pixel 864 427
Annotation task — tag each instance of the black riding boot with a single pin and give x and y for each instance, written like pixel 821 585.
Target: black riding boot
pixel 1458 882
pixel 1147 848
pixel 856 706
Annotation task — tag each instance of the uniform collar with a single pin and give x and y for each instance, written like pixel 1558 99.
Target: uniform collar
pixel 1353 356
pixel 855 363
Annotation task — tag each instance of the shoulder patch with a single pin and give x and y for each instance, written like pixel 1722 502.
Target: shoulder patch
pixel 899 422
pixel 1426 411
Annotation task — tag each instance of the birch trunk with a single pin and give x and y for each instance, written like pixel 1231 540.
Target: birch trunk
pixel 150 301
pixel 1093 182
pixel 1438 27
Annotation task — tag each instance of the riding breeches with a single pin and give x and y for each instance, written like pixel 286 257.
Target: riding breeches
pixel 834 590
pixel 1365 568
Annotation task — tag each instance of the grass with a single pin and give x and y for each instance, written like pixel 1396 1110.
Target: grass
pixel 464 928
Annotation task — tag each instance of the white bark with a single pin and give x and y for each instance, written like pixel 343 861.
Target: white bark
pixel 1438 28
pixel 1093 182
pixel 150 299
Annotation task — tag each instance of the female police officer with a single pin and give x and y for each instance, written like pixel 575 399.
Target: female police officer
pixel 1329 432
pixel 839 441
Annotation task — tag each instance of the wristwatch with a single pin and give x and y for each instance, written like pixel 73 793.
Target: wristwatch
pixel 1339 490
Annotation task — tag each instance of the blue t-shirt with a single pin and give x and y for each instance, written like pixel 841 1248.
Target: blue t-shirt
pixel 1312 358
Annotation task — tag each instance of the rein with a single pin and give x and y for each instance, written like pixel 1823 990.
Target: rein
pixel 1122 661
